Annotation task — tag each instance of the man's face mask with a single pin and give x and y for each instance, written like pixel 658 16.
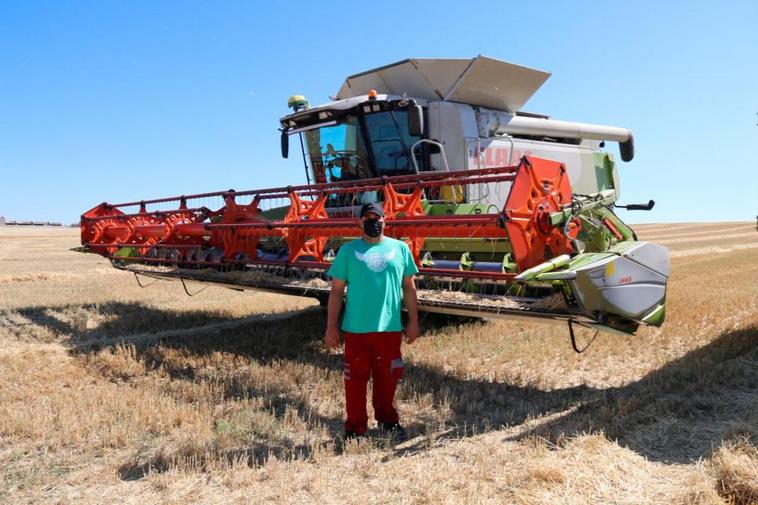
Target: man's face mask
pixel 372 227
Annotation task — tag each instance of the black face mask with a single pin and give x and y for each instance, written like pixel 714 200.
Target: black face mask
pixel 372 227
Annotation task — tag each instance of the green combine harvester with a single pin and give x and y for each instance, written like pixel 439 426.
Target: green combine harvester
pixel 508 213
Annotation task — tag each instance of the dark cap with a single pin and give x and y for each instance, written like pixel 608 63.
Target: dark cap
pixel 374 207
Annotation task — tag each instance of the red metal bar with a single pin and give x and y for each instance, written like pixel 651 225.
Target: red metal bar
pixel 192 230
pixel 489 232
pixel 152 213
pixel 316 223
pixel 454 220
pixel 329 186
pixel 362 188
pixel 151 230
pixel 403 185
pixel 161 245
pixel 116 232
pixel 311 191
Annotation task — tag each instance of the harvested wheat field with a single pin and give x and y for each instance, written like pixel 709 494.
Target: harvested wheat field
pixel 114 393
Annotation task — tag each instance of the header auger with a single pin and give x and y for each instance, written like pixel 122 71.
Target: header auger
pixel 522 226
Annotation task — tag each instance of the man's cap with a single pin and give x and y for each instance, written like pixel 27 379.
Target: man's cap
pixel 374 207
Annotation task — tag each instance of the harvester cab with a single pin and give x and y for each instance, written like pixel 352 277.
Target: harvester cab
pixel 507 213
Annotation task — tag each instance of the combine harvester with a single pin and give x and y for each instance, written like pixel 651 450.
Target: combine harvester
pixel 508 213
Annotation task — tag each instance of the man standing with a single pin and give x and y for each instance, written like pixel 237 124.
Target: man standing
pixel 378 274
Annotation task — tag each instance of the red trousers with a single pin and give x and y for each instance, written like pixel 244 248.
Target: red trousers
pixel 374 355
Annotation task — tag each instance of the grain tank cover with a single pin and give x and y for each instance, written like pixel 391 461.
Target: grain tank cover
pixel 481 81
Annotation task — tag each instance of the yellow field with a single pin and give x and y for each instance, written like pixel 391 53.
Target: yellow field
pixel 114 393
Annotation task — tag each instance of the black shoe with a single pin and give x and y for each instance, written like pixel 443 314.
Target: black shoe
pixel 394 430
pixel 352 435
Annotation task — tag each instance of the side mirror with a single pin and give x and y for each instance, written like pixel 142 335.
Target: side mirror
pixel 627 149
pixel 285 144
pixel 415 120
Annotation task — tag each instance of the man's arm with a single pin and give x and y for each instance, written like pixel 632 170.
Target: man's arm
pixel 411 304
pixel 334 307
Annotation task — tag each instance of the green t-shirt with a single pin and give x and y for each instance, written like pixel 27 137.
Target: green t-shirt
pixel 374 276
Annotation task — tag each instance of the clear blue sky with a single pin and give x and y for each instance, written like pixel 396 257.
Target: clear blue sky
pixel 123 100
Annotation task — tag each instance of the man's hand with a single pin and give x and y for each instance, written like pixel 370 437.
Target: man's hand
pixel 411 332
pixel 409 296
pixel 332 337
pixel 334 306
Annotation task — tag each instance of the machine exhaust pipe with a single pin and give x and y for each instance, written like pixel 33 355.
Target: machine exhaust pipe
pixel 496 122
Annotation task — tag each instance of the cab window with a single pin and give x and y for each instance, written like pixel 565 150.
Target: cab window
pixel 391 143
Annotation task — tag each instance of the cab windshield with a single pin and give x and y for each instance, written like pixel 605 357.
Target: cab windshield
pixel 337 152
pixel 356 147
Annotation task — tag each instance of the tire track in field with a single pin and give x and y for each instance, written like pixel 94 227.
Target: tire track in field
pixel 190 332
pixel 641 228
pixel 737 237
pixel 662 229
pixel 712 250
pixel 656 236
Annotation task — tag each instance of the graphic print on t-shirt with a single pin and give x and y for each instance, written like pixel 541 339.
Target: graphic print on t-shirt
pixel 376 262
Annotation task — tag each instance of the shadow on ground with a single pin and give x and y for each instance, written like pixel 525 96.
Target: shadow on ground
pixel 80 324
pixel 675 414
pixel 682 411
